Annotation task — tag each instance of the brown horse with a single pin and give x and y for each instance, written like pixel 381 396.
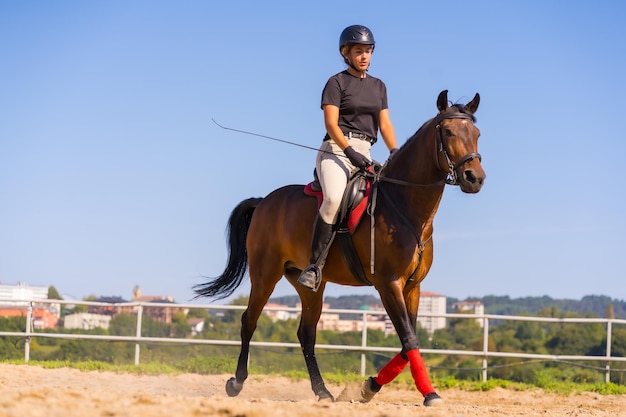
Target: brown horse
pixel 271 238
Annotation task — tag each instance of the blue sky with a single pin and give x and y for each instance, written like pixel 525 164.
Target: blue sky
pixel 112 173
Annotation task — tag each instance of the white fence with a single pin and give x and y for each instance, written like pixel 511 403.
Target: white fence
pixel 485 353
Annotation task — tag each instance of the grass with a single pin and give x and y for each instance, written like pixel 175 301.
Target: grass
pixel 87 366
pixel 211 366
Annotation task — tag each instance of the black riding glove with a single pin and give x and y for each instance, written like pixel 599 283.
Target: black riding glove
pixel 358 160
pixel 392 152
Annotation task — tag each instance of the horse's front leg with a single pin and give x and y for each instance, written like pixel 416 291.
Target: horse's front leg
pixel 403 315
pixel 311 311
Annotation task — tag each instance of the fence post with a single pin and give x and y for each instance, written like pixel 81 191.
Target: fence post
pixel 363 344
pixel 138 333
pixel 609 329
pixel 485 346
pixel 29 317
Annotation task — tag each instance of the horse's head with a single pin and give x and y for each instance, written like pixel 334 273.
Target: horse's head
pixel 458 143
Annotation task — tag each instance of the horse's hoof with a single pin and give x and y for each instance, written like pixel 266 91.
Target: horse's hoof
pixel 369 389
pixel 432 400
pixel 233 388
pixel 325 395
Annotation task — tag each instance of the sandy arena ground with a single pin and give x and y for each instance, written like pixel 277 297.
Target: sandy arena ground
pixel 27 391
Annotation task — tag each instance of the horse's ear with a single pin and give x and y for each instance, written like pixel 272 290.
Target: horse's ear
pixel 442 101
pixel 472 106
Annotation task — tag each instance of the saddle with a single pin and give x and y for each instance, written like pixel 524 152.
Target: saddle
pixel 355 202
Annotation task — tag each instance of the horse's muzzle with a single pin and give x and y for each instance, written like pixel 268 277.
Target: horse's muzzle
pixel 471 179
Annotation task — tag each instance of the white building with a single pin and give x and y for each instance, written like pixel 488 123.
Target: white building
pixel 331 321
pixel 86 321
pixel 11 295
pixel 431 303
pixel 470 307
pixel 273 310
pixel 21 291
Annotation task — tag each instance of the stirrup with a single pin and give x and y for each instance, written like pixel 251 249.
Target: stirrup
pixel 311 282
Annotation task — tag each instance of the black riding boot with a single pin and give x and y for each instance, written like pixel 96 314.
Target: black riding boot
pixel 311 277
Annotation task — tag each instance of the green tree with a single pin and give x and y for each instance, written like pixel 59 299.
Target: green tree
pixel 179 327
pixel 12 347
pixel 53 294
pixel 618 345
pixel 199 313
pixel 153 328
pixel 465 332
pixel 577 339
pixel 232 316
pixel 123 324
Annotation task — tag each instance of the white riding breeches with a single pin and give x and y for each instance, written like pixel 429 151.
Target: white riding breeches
pixel 333 170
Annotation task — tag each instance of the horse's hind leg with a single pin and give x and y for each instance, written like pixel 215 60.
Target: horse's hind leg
pixel 311 311
pixel 263 278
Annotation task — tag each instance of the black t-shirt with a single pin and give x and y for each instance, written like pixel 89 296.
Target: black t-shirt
pixel 359 100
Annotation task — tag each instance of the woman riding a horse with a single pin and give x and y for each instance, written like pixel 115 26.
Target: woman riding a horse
pixel 269 237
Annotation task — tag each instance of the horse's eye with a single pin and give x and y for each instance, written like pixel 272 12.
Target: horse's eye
pixel 448 132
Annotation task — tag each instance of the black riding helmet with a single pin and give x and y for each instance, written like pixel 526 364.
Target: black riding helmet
pixel 353 35
pixel 356 34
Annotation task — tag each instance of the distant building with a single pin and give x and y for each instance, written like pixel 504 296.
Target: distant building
pixel 44 315
pixel 40 317
pixel 279 314
pixel 373 323
pixel 110 306
pixel 470 307
pixel 160 314
pixel 431 303
pixel 196 324
pixel 327 321
pixel 137 296
pixel 21 291
pixel 44 319
pixel 334 322
pixel 86 321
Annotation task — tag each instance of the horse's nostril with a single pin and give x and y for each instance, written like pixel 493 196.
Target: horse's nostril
pixel 469 176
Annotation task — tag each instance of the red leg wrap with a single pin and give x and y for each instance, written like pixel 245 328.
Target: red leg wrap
pixel 391 370
pixel 420 373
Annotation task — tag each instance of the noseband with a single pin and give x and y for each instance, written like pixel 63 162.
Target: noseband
pixel 451 171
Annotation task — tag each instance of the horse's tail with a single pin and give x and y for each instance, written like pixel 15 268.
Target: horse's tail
pixel 238 224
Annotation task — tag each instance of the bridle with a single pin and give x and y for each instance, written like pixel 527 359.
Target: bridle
pixel 451 172
pixel 452 167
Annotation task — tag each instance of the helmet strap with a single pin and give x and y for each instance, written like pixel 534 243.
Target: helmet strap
pixel 361 73
pixel 351 65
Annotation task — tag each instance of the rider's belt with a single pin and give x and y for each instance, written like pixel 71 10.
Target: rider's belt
pixel 354 135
